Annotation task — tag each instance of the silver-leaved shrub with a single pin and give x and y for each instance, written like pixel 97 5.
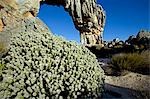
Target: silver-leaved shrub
pixel 39 65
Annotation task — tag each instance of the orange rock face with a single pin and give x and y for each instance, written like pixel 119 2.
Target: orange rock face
pixel 11 3
pixel 1 25
pixel 28 14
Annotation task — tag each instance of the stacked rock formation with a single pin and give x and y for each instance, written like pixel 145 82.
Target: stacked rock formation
pixel 143 34
pixel 88 18
pixel 34 64
pixel 142 40
pixel 116 43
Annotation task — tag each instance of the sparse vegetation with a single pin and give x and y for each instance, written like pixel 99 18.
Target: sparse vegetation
pixel 136 62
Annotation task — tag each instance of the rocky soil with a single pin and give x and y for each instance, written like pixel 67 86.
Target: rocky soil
pixel 128 86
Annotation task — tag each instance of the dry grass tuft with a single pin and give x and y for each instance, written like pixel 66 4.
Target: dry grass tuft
pixel 135 62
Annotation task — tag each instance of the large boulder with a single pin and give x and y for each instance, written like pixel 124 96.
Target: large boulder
pixel 143 34
pixel 144 38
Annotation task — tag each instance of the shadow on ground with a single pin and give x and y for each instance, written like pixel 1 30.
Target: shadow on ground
pixel 116 92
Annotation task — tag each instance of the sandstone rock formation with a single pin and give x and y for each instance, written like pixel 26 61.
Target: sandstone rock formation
pixel 1 25
pixel 136 43
pixel 88 18
pixel 142 40
pixel 34 64
pixel 143 34
pixel 12 12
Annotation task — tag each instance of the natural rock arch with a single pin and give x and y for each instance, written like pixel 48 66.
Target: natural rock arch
pixel 88 18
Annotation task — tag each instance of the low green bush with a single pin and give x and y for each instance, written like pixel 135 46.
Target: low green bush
pixel 136 62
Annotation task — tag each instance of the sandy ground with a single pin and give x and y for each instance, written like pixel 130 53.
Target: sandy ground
pixel 129 86
pixel 131 80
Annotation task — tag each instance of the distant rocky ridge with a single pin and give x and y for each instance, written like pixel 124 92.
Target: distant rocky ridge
pixel 141 40
pixel 134 43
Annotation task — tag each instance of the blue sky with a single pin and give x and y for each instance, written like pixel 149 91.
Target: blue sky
pixel 123 18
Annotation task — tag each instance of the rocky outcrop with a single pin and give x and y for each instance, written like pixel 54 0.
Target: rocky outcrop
pixel 88 18
pixel 143 34
pixel 116 43
pixel 1 25
pixel 12 12
pixel 141 41
pixel 136 43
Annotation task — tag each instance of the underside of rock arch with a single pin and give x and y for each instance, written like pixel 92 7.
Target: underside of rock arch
pixel 88 17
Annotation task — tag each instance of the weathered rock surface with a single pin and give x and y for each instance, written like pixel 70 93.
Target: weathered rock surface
pixel 1 25
pixel 143 34
pixel 12 12
pixel 142 40
pixel 136 43
pixel 88 18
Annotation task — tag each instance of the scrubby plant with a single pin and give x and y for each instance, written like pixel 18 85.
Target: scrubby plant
pixel 136 62
pixel 42 66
